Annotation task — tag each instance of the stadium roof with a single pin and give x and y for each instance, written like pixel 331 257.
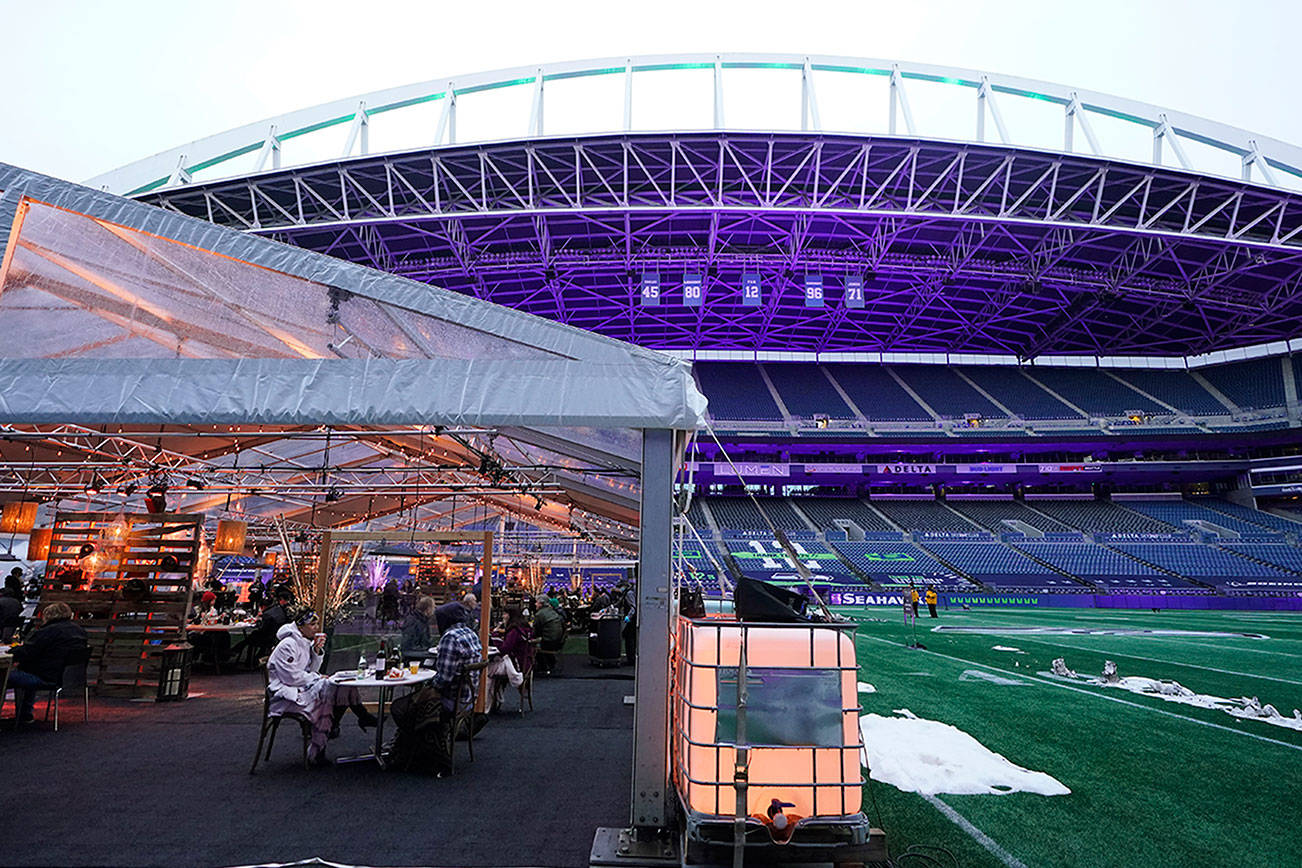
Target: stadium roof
pixel 1024 248
pixel 151 346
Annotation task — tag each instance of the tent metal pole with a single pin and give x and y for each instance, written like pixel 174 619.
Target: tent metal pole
pixel 650 802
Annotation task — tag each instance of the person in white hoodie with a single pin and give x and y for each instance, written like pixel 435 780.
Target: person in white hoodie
pixel 297 685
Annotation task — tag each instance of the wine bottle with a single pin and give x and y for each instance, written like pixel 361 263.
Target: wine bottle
pixel 381 661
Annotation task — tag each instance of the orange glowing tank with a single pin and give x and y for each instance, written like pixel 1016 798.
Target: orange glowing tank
pixel 801 721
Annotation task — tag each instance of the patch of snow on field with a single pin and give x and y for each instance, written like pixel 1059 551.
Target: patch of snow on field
pixel 981 675
pixel 1244 707
pixel 865 687
pixel 1006 648
pixel 929 757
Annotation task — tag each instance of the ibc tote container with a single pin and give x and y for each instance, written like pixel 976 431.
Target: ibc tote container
pixel 802 726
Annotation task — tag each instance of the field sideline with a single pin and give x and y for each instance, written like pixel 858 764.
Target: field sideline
pixel 1152 782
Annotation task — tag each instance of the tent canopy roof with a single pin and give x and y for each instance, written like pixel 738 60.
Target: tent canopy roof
pixel 126 318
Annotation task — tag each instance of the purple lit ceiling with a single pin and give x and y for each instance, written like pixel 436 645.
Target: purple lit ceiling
pixel 962 248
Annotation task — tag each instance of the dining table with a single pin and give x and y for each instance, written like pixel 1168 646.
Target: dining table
pixel 385 687
pixel 212 642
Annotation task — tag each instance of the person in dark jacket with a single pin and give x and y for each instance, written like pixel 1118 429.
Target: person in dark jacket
pixel 11 614
pixel 41 658
pixel 416 640
pixel 264 634
pixel 14 583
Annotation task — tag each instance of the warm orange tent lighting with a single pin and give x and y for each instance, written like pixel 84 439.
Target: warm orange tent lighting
pixel 18 517
pixel 230 537
pixel 38 544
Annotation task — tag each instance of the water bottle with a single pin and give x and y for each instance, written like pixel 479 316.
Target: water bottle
pixel 361 664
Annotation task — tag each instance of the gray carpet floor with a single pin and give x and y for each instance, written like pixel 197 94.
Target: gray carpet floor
pixel 145 784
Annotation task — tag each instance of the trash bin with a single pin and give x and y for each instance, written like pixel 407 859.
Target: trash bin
pixel 604 642
pixel 174 675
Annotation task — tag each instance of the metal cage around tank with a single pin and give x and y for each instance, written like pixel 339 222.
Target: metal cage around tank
pixel 821 782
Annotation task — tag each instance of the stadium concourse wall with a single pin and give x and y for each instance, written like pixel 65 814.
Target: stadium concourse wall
pixel 863 599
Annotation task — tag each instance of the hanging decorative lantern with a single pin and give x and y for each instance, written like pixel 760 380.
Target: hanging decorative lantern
pixel 38 544
pixel 18 516
pixel 204 562
pixel 113 538
pixel 269 558
pixel 230 537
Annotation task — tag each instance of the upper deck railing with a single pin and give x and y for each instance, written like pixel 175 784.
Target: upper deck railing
pixel 724 92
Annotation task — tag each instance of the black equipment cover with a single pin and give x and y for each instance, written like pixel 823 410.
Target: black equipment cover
pixel 754 600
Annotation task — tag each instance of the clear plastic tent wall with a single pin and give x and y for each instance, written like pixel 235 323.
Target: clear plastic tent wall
pixel 123 312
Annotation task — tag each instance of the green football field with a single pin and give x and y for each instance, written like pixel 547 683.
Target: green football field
pixel 1152 782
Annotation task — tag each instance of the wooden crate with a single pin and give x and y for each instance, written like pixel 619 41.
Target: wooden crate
pixel 132 606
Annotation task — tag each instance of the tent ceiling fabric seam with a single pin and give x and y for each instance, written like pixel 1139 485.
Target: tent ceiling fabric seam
pixel 345 391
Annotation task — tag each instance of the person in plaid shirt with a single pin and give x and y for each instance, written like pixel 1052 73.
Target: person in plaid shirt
pixel 458 646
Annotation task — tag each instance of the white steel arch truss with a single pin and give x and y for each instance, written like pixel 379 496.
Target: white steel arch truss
pixel 356 120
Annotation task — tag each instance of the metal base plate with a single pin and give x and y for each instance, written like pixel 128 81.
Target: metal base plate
pixel 623 847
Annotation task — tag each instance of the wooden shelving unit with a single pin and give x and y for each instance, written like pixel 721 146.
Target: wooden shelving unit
pixel 131 594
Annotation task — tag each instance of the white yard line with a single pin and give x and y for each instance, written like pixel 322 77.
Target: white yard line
pixel 1231 647
pixel 977 835
pixel 1158 660
pixel 1019 674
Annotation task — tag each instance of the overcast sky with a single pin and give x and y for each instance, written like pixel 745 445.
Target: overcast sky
pixel 95 85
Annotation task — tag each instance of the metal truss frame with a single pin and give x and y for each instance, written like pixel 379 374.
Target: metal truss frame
pixel 391 479
pixel 963 247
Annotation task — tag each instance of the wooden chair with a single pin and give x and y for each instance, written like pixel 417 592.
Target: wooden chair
pixel 271 723
pixel 463 713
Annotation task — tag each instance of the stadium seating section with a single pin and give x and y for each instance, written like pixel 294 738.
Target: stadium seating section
pixel 737 390
pixel 1176 512
pixel 1178 389
pixel 991 514
pixel 1255 517
pixel 1094 391
pixel 946 392
pixel 764 559
pixel 999 566
pixel 1019 394
pixel 1199 561
pixel 1253 385
pixel 891 563
pixel 822 512
pixel 1099 516
pixel 739 513
pixel 806 391
pixel 876 393
pixel 925 515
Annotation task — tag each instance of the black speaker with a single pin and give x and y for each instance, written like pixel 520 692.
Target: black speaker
pixel 754 600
